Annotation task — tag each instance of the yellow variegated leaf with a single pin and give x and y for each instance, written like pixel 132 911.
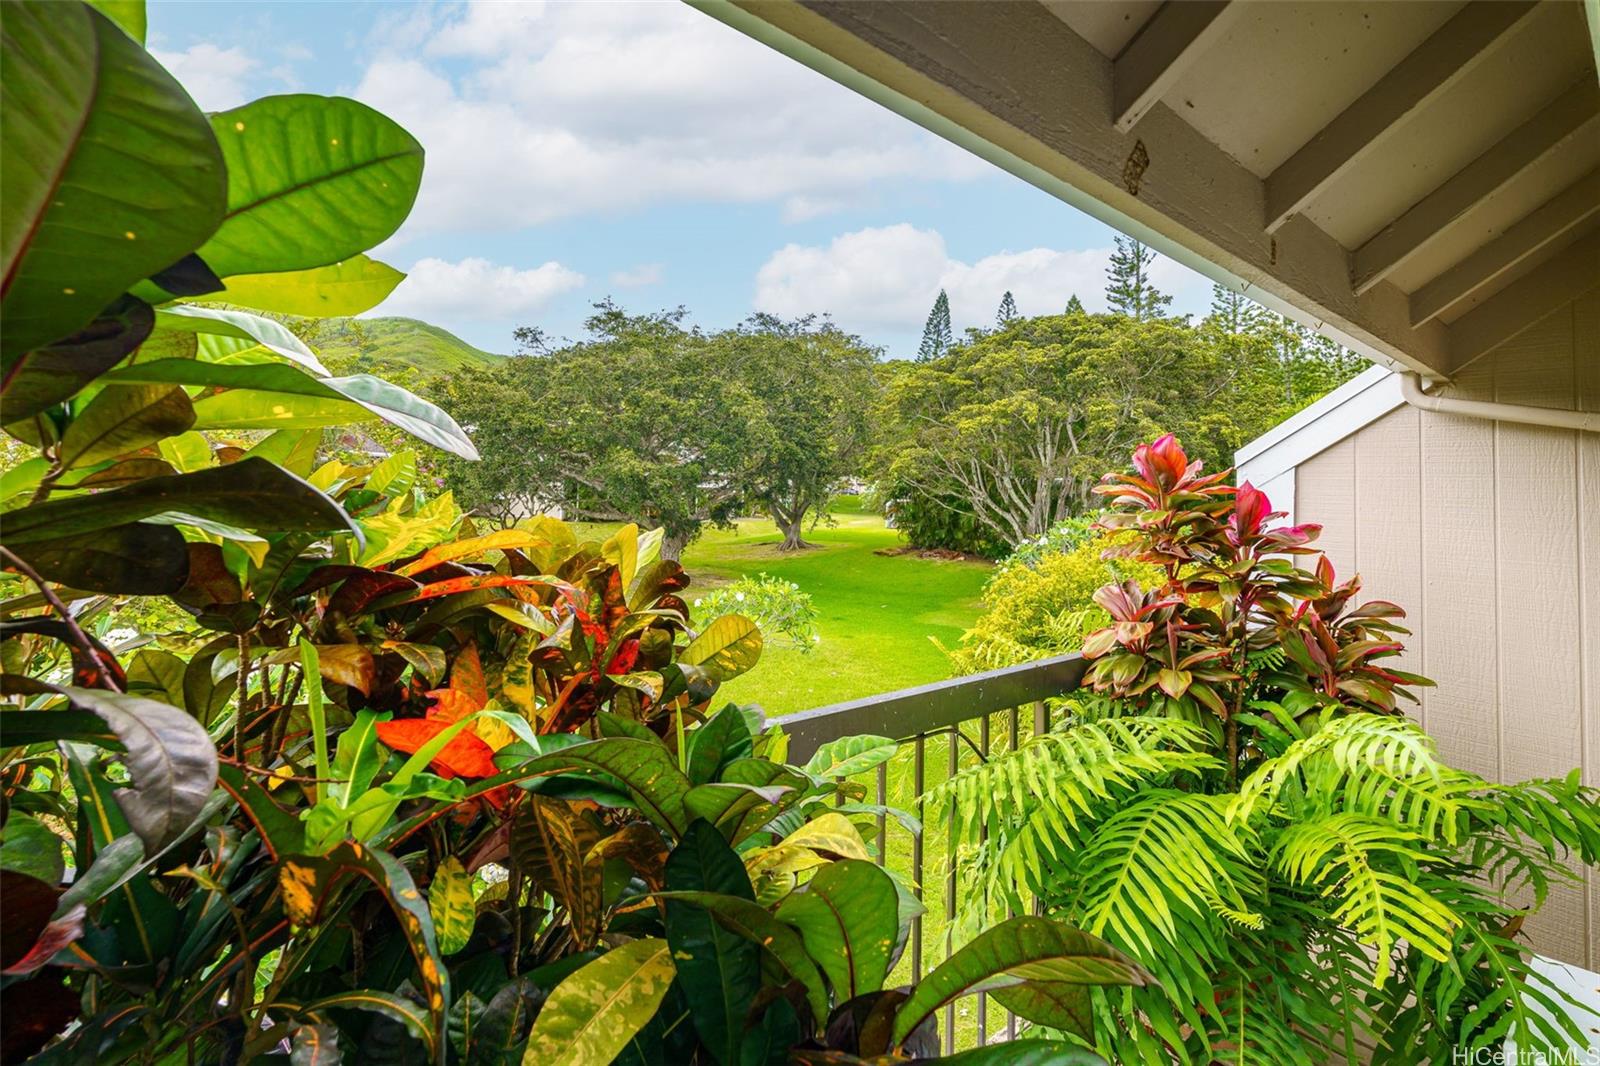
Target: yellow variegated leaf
pixel 591 1016
pixel 726 648
pixel 831 834
pixel 450 903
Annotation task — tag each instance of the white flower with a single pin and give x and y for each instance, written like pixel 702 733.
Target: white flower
pixel 739 596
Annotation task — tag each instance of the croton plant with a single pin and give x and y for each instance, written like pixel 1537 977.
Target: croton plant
pixel 385 790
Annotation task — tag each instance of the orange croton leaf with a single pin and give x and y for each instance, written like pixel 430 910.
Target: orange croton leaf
pixel 466 675
pixel 450 705
pixel 465 756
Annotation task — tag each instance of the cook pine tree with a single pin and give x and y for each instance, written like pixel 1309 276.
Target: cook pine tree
pixel 1128 287
pixel 937 336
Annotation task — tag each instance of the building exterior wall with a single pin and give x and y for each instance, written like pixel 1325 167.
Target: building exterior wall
pixel 1488 534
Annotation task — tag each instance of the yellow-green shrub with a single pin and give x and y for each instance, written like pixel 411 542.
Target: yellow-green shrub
pixel 1043 607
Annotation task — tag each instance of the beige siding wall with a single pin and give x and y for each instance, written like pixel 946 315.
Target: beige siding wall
pixel 1488 534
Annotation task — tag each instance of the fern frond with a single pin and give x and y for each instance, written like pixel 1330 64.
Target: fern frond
pixel 1370 866
pixel 1163 865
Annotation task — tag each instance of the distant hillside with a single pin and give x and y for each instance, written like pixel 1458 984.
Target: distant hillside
pixel 376 345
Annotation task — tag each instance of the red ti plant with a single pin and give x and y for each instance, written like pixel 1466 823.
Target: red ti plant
pixel 1237 619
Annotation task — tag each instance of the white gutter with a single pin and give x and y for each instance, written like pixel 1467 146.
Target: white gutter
pixel 1411 389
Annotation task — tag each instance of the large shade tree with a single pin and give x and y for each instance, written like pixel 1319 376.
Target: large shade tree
pixel 630 424
pixel 806 423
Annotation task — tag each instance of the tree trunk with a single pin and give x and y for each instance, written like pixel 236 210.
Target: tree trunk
pixel 792 528
pixel 672 545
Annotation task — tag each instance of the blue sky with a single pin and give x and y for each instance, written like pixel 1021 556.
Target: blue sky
pixel 646 152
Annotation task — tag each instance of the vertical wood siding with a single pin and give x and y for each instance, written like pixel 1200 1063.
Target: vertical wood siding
pixel 1488 534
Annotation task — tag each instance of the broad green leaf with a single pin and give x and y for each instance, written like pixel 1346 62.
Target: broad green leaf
pixel 133 559
pixel 312 180
pixel 111 173
pixel 1018 952
pixel 723 738
pixel 492 1034
pixel 721 966
pixel 395 475
pixel 55 372
pixel 241 325
pixel 591 1016
pixel 648 771
pixel 168 755
pixel 187 451
pixel 293 449
pixel 450 904
pixel 156 673
pixel 129 14
pixel 849 756
pixel 251 493
pixel 725 803
pixel 24 477
pixel 848 917
pixel 756 924
pixel 27 846
pixel 125 418
pixel 726 648
pixel 346 288
pixel 278 396
pixel 832 834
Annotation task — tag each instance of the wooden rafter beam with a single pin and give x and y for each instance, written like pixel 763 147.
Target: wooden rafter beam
pixel 1561 279
pixel 1545 225
pixel 1436 64
pixel 1179 32
pixel 1570 117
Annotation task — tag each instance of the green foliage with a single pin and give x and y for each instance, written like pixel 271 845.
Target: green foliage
pixel 1241 809
pixel 1128 287
pixel 937 336
pixel 990 446
pixel 1039 602
pixel 385 345
pixel 779 607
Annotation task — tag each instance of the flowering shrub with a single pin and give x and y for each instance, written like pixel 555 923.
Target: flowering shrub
pixel 779 607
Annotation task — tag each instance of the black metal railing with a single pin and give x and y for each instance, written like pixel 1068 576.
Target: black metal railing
pixel 968 717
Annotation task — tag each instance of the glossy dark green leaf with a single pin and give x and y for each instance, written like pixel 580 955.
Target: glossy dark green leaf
pixel 550 842
pixel 21 728
pixel 492 1034
pixel 758 925
pixel 725 804
pixel 168 755
pixel 136 559
pixel 55 372
pixel 1019 951
pixel 648 771
pixel 251 493
pixel 848 917
pixel 312 180
pixel 27 846
pixel 719 968
pixel 124 418
pixel 848 756
pixel 254 391
pixel 723 738
pixel 283 832
pixel 111 173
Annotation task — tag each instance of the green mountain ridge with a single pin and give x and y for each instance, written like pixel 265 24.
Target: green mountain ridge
pixel 389 344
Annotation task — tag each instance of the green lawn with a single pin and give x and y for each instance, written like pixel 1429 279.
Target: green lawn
pixel 877 615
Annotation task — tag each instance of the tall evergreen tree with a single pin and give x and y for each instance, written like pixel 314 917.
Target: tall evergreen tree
pixel 1075 306
pixel 937 337
pixel 1128 287
pixel 1007 312
pixel 1235 312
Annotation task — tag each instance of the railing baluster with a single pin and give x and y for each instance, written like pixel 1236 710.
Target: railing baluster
pixel 883 819
pixel 918 752
pixel 950 883
pixel 1014 716
pixel 983 837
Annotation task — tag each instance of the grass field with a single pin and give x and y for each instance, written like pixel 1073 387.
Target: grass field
pixel 876 613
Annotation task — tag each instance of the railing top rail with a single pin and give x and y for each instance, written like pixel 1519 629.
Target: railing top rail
pixel 939 705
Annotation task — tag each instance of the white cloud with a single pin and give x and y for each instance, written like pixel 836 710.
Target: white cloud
pixel 636 277
pixel 477 289
pixel 569 108
pixel 217 78
pixel 887 278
